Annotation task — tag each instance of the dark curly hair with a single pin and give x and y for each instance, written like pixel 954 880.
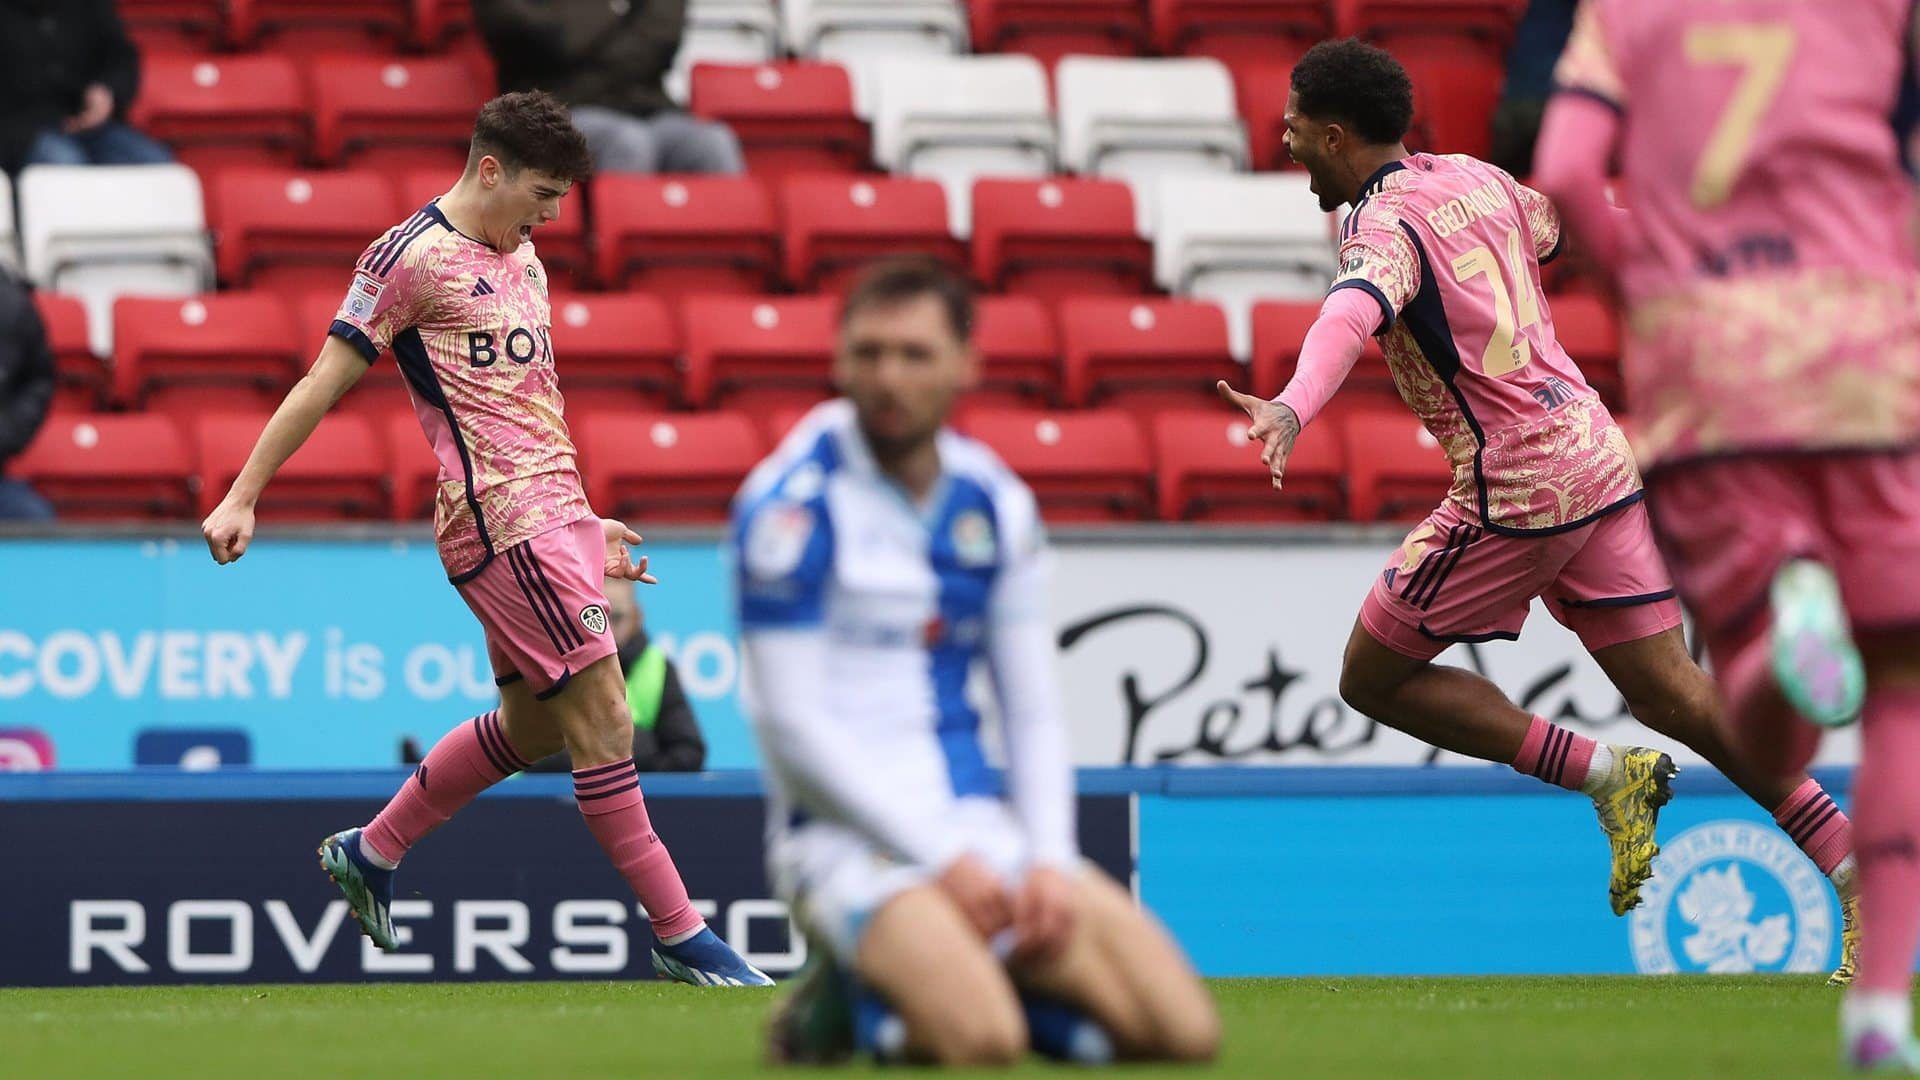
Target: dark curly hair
pixel 1358 86
pixel 531 129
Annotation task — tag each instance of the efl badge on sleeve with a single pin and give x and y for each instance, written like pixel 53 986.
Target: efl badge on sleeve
pixel 777 539
pixel 363 296
pixel 973 543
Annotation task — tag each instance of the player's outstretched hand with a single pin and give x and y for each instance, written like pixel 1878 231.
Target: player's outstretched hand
pixel 620 562
pixel 1274 427
pixel 1044 911
pixel 978 893
pixel 228 531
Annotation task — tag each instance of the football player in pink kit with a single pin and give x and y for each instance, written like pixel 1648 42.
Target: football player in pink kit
pixel 1773 361
pixel 458 294
pixel 1440 259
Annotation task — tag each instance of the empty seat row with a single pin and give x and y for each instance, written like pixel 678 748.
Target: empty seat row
pixel 325 109
pixel 1117 27
pixel 1094 465
pixel 244 348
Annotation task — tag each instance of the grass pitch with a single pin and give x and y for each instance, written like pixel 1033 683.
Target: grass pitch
pixel 1429 1029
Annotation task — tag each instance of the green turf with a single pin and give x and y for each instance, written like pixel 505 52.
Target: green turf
pixel 1407 1029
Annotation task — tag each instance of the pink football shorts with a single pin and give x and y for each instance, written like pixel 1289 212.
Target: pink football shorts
pixel 1453 580
pixel 542 607
pixel 1726 525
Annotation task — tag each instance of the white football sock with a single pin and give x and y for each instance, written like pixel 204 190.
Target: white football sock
pixel 1597 769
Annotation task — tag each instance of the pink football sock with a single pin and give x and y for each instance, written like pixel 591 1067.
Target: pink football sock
pixel 1886 811
pixel 610 800
pixel 1554 754
pixel 1816 823
pixel 466 761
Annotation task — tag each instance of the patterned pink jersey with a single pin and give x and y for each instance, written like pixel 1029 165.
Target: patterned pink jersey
pixel 1451 248
pixel 1768 263
pixel 471 330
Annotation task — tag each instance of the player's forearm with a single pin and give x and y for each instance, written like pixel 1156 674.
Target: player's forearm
pixel 336 370
pixel 1577 137
pixel 1332 346
pixel 830 773
pixel 1039 764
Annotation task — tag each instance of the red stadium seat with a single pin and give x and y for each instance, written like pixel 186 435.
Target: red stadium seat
pixel 382 390
pixel 1238 30
pixel 1083 466
pixel 80 378
pixel 775 422
pixel 1279 326
pixel 287 230
pixel 1208 471
pixel 414 469
pixel 766 349
pixel 1260 88
pixel 339 473
pixel 1589 332
pixel 165 25
pixel 393 112
pixel 666 466
pixel 1050 29
pixel 685 234
pixel 103 466
pixel 217 111
pixel 790 117
pixel 1396 470
pixel 361 25
pixel 562 242
pixel 1133 348
pixel 1487 24
pixel 1059 237
pixel 436 22
pixel 1019 351
pixel 835 224
pixel 1455 91
pixel 234 351
pixel 619 350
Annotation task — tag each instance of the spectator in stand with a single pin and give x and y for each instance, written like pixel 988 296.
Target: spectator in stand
pixel 1537 43
pixel 68 74
pixel 26 389
pixel 608 60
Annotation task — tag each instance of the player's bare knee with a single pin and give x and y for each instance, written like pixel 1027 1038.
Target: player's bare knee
pixel 988 1035
pixel 1191 1033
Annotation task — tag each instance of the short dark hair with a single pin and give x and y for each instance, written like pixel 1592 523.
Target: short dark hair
pixel 1358 86
pixel 899 278
pixel 530 129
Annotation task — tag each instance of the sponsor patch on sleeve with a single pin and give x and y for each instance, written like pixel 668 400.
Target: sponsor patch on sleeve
pixel 363 296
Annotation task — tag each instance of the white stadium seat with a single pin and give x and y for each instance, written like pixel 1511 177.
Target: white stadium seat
pixel 724 32
pixel 102 231
pixel 955 119
pixel 1138 118
pixel 849 29
pixel 1238 239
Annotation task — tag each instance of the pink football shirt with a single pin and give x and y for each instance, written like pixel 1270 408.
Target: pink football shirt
pixel 471 330
pixel 1768 260
pixel 1451 248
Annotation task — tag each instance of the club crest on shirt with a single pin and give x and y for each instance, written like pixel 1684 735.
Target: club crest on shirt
pixel 533 276
pixel 594 618
pixel 973 541
pixel 363 296
pixel 776 540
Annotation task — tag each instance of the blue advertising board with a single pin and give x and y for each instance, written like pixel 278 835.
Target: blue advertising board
pixel 319 653
pixel 133 889
pixel 1475 875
